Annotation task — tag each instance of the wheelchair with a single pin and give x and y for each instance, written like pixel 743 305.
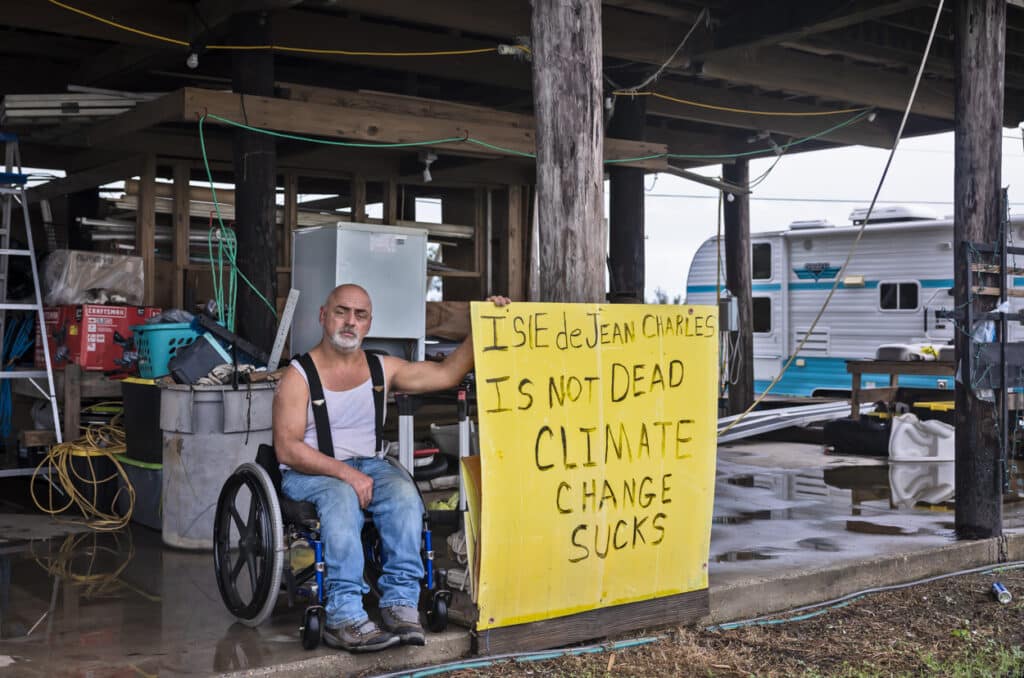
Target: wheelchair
pixel 255 528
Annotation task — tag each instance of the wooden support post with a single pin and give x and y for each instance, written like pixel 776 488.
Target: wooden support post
pixel 567 87
pixel 736 217
pixel 464 206
pixel 291 216
pixel 359 199
pixel 979 51
pixel 626 270
pixel 182 226
pixel 145 228
pixel 389 197
pixel 72 401
pixel 514 262
pixel 255 160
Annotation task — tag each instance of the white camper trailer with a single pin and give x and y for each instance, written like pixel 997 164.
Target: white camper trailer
pixel 901 273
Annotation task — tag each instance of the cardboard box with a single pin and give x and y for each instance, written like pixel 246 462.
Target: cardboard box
pixel 84 334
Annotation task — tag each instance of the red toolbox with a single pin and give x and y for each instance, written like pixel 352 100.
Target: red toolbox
pixel 84 334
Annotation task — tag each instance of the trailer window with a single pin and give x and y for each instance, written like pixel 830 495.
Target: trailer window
pixel 762 314
pixel 761 261
pixel 898 296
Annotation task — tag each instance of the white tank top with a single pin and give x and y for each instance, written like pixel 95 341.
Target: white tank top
pixel 353 426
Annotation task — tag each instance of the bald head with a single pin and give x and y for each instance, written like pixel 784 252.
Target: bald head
pixel 345 317
pixel 349 291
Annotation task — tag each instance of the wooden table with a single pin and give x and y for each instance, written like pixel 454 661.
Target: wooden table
pixel 894 368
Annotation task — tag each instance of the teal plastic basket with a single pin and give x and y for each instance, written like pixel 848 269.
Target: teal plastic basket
pixel 157 344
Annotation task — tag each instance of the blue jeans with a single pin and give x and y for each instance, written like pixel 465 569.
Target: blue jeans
pixel 397 512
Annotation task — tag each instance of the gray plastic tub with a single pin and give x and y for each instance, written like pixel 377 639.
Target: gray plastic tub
pixel 207 432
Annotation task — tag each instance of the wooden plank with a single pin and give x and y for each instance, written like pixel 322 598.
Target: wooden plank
pixel 777 68
pixel 145 228
pixel 996 269
pixel 72 401
pixel 31 438
pixel 677 610
pixel 182 221
pixel 389 214
pixel 337 121
pixel 995 292
pixel 90 178
pixel 770 24
pixel 929 367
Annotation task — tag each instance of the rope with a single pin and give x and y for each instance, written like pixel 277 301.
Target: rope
pixel 860 232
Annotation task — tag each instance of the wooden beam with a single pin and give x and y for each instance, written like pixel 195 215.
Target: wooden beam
pixel 95 176
pixel 515 222
pixel 337 121
pixel 777 68
pixel 711 104
pixel 626 256
pixel 145 228
pixel 979 32
pixel 707 181
pixel 769 24
pixel 182 225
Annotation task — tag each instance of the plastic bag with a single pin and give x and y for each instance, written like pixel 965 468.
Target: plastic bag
pixel 74 277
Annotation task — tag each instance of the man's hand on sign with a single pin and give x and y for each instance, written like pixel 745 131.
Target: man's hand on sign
pixel 499 300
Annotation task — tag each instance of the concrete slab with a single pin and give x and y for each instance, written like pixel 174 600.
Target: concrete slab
pixel 791 526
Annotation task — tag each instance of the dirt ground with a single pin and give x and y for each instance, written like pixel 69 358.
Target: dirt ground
pixel 952 627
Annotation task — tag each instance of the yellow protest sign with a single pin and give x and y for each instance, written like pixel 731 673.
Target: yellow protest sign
pixel 597 455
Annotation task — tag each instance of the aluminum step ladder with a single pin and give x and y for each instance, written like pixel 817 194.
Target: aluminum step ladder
pixel 12 190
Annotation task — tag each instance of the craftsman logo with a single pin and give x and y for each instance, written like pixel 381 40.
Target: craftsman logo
pixel 816 271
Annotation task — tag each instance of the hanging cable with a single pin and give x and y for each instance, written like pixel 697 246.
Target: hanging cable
pixel 860 231
pixel 704 16
pixel 286 49
pixel 744 111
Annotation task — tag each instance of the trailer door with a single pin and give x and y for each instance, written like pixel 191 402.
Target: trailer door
pixel 768 306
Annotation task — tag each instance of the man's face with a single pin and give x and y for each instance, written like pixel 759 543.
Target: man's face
pixel 346 318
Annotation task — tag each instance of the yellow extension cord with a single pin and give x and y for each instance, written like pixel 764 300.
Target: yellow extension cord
pixel 106 441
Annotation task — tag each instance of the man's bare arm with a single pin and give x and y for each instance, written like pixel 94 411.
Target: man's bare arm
pixel 425 376
pixel 290 408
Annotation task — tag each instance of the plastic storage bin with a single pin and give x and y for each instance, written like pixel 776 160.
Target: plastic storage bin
pixel 157 344
pixel 207 432
pixel 147 479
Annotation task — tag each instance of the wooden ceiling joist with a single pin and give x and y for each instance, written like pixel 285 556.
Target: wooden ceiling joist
pixel 389 128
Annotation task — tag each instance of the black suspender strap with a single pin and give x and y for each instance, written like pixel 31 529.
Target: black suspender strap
pixel 377 378
pixel 319 404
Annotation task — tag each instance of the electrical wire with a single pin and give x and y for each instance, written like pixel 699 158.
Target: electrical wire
pixel 282 48
pixel 860 233
pixel 744 111
pixel 520 657
pixel 104 442
pixel 703 16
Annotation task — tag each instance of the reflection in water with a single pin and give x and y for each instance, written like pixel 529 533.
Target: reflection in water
pixel 926 482
pixel 818 544
pixel 733 556
pixel 240 648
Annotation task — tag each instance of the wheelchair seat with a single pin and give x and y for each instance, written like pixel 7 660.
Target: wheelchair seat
pixel 301 513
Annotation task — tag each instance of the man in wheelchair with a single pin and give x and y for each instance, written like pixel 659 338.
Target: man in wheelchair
pixel 357 477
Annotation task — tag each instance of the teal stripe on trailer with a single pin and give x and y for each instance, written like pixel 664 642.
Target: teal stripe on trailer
pixel 818 374
pixel 938 284
pixel 760 287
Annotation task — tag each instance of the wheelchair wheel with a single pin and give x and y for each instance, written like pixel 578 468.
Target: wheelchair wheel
pixel 312 627
pixel 248 538
pixel 437 615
